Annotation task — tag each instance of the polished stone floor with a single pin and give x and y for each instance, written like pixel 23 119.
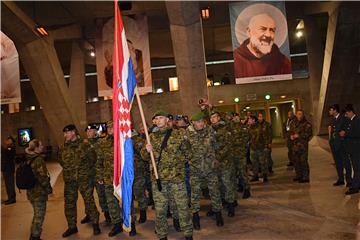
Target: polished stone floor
pixel 280 209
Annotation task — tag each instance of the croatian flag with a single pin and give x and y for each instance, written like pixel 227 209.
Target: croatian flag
pixel 124 83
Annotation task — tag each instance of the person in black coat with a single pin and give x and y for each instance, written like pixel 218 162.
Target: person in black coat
pixel 8 153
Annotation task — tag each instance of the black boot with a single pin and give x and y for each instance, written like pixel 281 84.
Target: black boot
pixel 133 230
pixel 151 199
pixel 34 238
pixel 107 217
pixel 246 194
pixel 117 228
pixel 86 219
pixel 240 187
pixel 231 210
pixel 70 231
pixel 219 219
pixel 210 213
pixel 265 179
pixel 254 179
pixel 169 215
pixel 176 225
pixel 196 221
pixel 164 238
pixel 189 238
pixel 96 229
pixel 142 218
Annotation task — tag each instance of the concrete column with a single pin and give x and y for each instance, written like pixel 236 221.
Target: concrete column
pixel 188 45
pixel 77 84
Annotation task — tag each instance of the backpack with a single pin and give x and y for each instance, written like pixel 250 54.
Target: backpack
pixel 25 178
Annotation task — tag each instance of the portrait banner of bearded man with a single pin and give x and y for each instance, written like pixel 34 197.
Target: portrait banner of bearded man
pixel 260 42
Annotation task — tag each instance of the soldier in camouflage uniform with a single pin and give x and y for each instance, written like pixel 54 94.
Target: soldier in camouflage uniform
pixel 171 170
pixel 300 135
pixel 100 190
pixel 203 168
pixel 105 176
pixel 73 157
pixel 140 169
pixel 226 167
pixel 240 137
pixel 38 195
pixel 286 135
pixel 267 129
pixel 258 141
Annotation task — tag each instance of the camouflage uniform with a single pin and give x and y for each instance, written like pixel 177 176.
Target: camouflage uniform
pixel 73 157
pixel 140 170
pixel 258 140
pixel 267 129
pixel 203 167
pixel 171 170
pixel 38 195
pixel 105 174
pixel 226 172
pixel 100 189
pixel 286 134
pixel 240 138
pixel 300 147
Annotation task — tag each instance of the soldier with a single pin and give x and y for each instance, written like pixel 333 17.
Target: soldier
pixel 140 170
pixel 169 155
pixel 38 195
pixel 226 166
pixel 338 146
pixel 240 139
pixel 203 168
pixel 267 129
pixel 300 135
pixel 100 190
pixel 258 141
pixel 286 135
pixel 73 157
pixel 352 141
pixel 105 176
pixel 8 154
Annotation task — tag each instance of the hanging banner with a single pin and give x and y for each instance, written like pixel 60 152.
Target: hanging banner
pixel 137 35
pixel 260 42
pixel 10 73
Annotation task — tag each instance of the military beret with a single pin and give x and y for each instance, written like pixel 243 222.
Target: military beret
pixel 161 113
pixel 197 116
pixel 70 127
pixel 179 117
pixel 110 124
pixel 91 126
pixel 214 112
pixel 171 117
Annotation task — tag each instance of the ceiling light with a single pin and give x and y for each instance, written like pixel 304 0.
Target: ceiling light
pixel 216 83
pixel 221 101
pixel 205 13
pixel 159 90
pixel 299 34
pixel 92 53
pixel 283 96
pixel 236 99
pixel 248 107
pixel 300 25
pixel 42 31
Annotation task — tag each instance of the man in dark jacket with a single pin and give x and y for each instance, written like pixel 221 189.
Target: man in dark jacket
pixel 8 153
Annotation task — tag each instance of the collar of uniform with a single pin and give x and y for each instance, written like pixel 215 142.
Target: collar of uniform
pixel 353 117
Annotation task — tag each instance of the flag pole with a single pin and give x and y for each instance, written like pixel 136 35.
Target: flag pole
pixel 147 138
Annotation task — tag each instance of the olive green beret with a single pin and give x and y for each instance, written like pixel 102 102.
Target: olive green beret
pixel 161 113
pixel 198 116
pixel 110 124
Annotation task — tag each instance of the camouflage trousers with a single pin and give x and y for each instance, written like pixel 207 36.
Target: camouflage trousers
pixel 211 180
pixel 241 168
pixel 113 204
pixel 139 192
pixel 259 161
pixel 161 199
pixel 301 165
pixel 71 195
pixel 227 183
pixel 39 208
pixel 289 146
pixel 268 156
pixel 100 190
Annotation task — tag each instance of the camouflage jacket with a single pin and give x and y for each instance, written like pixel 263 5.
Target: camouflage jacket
pixel 223 143
pixel 240 134
pixel 258 137
pixel 267 129
pixel 91 156
pixel 286 128
pixel 73 158
pixel 42 187
pixel 105 160
pixel 203 146
pixel 141 167
pixel 304 129
pixel 171 166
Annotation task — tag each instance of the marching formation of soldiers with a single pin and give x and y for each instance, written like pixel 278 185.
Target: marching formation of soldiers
pixel 205 155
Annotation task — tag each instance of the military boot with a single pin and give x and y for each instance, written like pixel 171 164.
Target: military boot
pixel 164 238
pixel 196 221
pixel 142 218
pixel 254 179
pixel 70 231
pixel 189 238
pixel 210 213
pixel 246 194
pixel 133 230
pixel 34 238
pixel 117 228
pixel 176 224
pixel 219 219
pixel 86 219
pixel 107 217
pixel 231 210
pixel 96 229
